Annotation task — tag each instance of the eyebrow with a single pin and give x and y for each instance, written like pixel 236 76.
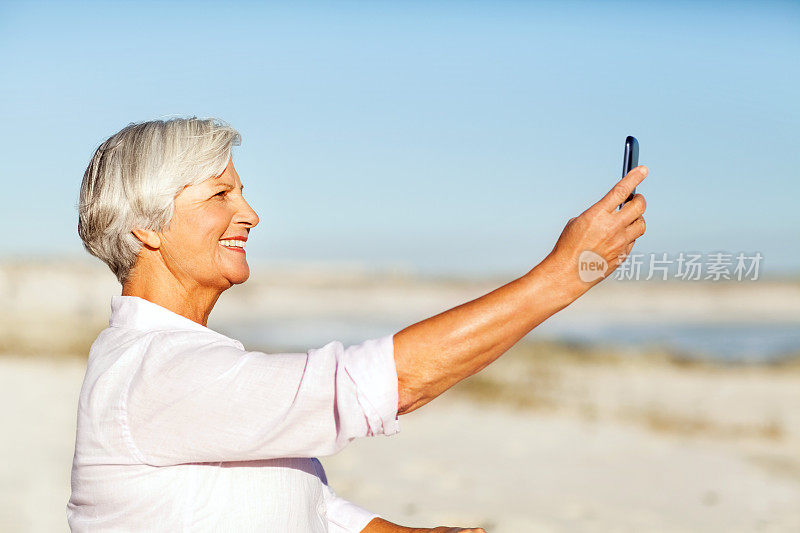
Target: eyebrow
pixel 227 185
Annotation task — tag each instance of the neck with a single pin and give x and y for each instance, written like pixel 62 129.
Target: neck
pixel 160 286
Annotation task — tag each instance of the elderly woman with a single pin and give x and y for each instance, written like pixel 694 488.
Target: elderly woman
pixel 181 428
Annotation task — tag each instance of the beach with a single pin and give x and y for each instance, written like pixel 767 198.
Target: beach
pixel 554 436
pixel 598 448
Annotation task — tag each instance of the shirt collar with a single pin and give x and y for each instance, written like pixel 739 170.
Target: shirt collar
pixel 137 313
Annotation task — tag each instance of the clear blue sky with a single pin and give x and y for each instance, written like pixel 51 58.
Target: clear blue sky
pixel 442 135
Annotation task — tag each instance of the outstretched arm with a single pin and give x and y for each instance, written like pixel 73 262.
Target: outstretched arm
pixel 433 355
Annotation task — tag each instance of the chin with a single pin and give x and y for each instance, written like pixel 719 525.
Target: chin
pixel 238 280
pixel 238 277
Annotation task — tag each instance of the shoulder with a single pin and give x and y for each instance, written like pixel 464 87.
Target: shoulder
pixel 116 344
pixel 179 345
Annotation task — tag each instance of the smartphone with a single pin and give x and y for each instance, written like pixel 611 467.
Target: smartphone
pixel 629 162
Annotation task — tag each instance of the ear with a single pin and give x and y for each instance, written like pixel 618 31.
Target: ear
pixel 148 237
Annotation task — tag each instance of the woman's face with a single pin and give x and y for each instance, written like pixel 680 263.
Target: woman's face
pixel 205 214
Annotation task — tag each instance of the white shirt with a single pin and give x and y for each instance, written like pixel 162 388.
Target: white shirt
pixel 181 429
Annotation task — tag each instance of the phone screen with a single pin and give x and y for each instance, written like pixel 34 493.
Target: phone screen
pixel 630 161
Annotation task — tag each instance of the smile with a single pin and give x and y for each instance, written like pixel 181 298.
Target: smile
pixel 235 245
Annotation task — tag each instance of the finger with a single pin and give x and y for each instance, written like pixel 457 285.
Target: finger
pixel 635 230
pixel 633 209
pixel 629 248
pixel 623 255
pixel 622 189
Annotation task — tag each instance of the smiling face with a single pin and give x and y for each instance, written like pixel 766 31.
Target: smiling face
pixel 205 214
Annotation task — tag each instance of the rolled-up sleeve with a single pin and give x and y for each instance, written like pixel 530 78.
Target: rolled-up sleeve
pixel 195 399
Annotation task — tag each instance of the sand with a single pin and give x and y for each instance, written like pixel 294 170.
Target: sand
pixel 504 462
pixel 550 438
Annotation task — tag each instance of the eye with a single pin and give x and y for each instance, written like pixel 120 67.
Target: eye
pixel 221 193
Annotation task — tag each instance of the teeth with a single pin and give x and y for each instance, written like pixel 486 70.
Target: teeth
pixel 238 244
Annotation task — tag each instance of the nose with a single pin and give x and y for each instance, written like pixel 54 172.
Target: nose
pixel 246 215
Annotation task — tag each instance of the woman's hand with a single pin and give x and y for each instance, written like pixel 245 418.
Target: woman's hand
pixel 601 233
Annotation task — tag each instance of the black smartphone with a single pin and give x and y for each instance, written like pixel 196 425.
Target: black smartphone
pixel 629 162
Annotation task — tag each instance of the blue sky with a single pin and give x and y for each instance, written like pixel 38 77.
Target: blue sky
pixel 444 136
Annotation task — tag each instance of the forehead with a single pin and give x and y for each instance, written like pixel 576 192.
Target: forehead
pixel 229 175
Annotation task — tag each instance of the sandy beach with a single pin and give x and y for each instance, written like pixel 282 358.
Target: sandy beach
pixel 552 437
pixel 566 445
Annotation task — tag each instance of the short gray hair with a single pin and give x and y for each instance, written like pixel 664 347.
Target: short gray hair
pixel 134 176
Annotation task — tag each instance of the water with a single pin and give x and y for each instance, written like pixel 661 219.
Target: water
pixel 726 342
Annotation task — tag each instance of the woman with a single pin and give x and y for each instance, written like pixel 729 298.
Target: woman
pixel 182 428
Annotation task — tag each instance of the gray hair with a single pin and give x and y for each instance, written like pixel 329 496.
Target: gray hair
pixel 134 176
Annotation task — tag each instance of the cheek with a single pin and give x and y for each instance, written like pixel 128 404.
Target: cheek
pixel 213 224
pixel 201 229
